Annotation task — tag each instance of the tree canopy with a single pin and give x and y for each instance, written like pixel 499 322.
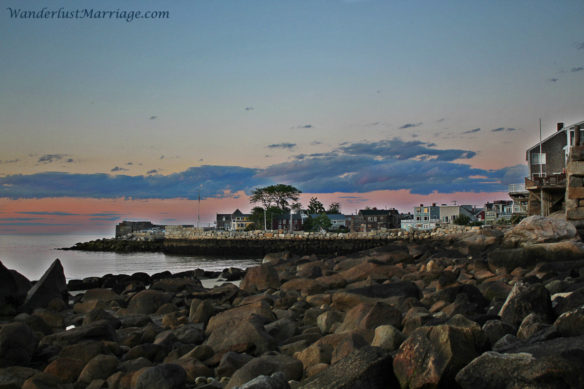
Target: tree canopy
pixel 315 206
pixel 334 208
pixel 278 196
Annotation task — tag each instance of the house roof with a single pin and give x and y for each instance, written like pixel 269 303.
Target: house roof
pixel 372 212
pixel 331 216
pixel 562 131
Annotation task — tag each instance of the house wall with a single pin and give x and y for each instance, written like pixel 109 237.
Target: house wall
pixel 555 156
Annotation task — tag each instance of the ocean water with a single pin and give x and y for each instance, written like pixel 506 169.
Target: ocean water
pixel 31 255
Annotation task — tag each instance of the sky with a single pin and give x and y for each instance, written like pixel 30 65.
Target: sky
pixel 362 102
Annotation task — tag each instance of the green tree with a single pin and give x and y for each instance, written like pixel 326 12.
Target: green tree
pixel 274 195
pixel 315 206
pixel 334 208
pixel 321 222
pixel 462 220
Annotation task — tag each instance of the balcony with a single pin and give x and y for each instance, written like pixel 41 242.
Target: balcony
pixel 554 181
pixel 517 189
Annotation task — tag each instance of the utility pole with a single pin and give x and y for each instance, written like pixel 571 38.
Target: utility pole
pixel 541 208
pixel 199 210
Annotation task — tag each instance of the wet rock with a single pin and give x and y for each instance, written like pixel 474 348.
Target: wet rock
pixel 330 349
pixel 201 311
pixel 99 330
pixel 84 351
pixel 13 377
pixel 329 321
pixel 65 369
pixel 150 351
pixel 52 285
pixel 148 301
pixel 277 258
pixel 100 314
pixel 240 335
pixel 194 368
pixel 304 286
pixel 522 370
pixel 265 365
pixel 275 381
pixel 571 323
pixel 165 376
pixel 365 368
pixel 391 289
pixel 570 302
pixel 13 289
pixel 387 337
pixel 281 329
pixel 431 356
pixel 134 364
pixel 17 344
pixel 260 278
pixel 531 325
pixel 230 362
pixel 99 367
pixel 175 285
pixel 44 381
pixel 496 329
pixel 370 316
pixel 525 299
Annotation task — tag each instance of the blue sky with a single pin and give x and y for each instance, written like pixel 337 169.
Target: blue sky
pixel 329 95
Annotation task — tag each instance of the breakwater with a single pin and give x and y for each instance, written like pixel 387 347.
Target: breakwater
pixel 259 243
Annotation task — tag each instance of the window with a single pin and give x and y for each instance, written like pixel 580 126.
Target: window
pixel 425 210
pixel 425 217
pixel 538 159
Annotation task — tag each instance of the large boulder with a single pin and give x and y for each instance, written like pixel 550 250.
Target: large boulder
pixel 165 376
pixel 240 335
pixel 17 344
pixel 525 299
pixel 370 316
pixel 267 364
pixel 99 330
pixel 557 363
pixel 52 285
pixel 260 278
pixel 99 367
pixel 539 229
pixel 364 368
pixel 432 356
pixel 13 288
pixel 148 301
pixel 14 376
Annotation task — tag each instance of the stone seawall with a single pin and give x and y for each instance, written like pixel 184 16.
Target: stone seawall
pixel 259 243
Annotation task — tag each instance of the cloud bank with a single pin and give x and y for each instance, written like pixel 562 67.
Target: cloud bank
pixel 358 167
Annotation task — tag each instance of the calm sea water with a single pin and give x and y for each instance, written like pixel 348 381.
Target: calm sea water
pixel 31 255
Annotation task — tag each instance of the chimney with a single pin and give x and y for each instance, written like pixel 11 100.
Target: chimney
pixel 433 204
pixel 560 126
pixel 421 205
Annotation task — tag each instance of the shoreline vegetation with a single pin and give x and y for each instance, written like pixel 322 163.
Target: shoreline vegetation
pixel 486 308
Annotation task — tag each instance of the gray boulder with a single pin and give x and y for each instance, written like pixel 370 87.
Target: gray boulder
pixel 525 299
pixel 265 365
pixel 165 376
pixel 13 289
pixel 275 381
pixel 52 285
pixel 368 367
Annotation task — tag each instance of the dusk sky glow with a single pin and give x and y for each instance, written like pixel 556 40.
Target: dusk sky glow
pixel 364 102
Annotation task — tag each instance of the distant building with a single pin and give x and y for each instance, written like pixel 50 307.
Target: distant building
pixel 499 209
pixel 236 221
pixel 377 219
pixel 128 227
pixel 449 213
pixel 337 220
pixel 282 222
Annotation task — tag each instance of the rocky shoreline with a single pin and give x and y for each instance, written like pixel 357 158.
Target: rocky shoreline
pixel 486 310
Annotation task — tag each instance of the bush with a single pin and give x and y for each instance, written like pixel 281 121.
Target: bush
pixel 462 220
pixel 515 219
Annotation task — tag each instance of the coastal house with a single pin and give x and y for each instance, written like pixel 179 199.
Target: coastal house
pixel 337 220
pixel 282 222
pixel 449 213
pixel 236 221
pixel 498 209
pixel 547 160
pixel 378 219
pixel 129 227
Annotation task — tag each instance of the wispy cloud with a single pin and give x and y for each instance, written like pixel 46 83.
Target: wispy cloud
pixel 153 171
pixel 45 213
pixel 473 131
pixel 315 143
pixel 304 126
pixel 577 69
pixel 6 161
pixel 580 45
pixel 118 169
pixel 249 108
pixel 153 117
pixel 553 79
pixel 410 125
pixel 283 145
pixel 50 158
pixel 501 129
